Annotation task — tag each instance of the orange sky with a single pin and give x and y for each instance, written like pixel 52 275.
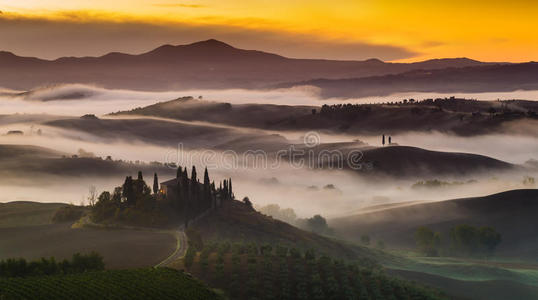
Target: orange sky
pixel 396 30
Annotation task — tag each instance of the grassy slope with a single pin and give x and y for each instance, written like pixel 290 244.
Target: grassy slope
pixel 15 214
pixel 483 290
pixel 512 213
pixel 118 284
pixel 26 232
pixel 235 221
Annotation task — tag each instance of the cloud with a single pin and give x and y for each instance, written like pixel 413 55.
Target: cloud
pixel 92 34
pixel 179 5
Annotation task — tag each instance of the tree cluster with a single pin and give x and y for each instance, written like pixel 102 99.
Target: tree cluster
pixel 469 240
pixel 463 240
pixel 193 197
pixel 344 111
pixel 132 202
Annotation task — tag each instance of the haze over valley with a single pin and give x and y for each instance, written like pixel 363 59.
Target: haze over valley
pixel 216 170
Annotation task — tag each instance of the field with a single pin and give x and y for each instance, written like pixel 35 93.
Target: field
pixel 16 214
pixel 27 232
pixel 117 284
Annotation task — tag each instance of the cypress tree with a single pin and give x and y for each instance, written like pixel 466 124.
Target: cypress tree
pixel 193 174
pixel 225 190
pixel 230 192
pixel 185 192
pixel 179 172
pixel 194 191
pixel 207 190
pixel 140 176
pixel 155 184
pixel 127 191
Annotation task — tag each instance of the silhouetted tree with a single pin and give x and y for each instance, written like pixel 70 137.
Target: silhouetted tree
pixel 140 176
pixel 207 190
pixel 155 184
pixel 318 224
pixel 230 191
pixel 194 191
pixel 128 192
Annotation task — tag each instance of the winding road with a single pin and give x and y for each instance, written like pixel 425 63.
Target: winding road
pixel 180 251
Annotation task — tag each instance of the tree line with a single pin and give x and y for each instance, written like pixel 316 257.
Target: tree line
pixel 79 263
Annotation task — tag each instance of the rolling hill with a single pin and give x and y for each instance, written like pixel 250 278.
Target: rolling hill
pixel 35 166
pixel 28 232
pixel 471 79
pixel 511 213
pixel 206 64
pixel 238 222
pixel 455 116
pixel 394 161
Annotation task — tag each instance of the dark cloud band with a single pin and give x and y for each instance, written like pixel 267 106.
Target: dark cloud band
pixel 55 38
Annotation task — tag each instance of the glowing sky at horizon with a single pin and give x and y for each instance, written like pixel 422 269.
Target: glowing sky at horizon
pixel 484 30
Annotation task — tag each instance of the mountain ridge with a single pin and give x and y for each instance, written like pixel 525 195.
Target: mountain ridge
pixel 209 64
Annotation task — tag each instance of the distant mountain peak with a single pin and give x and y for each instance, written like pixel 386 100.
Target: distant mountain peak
pixel 210 43
pixel 206 46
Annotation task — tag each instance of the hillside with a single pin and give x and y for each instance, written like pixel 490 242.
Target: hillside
pixel 399 161
pixel 393 161
pixel 237 222
pixel 166 132
pixel 35 166
pixel 402 161
pixel 28 232
pixel 205 64
pixel 247 271
pixel 478 290
pixel 15 214
pixel 512 213
pixel 472 79
pixel 455 116
pixel 118 284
